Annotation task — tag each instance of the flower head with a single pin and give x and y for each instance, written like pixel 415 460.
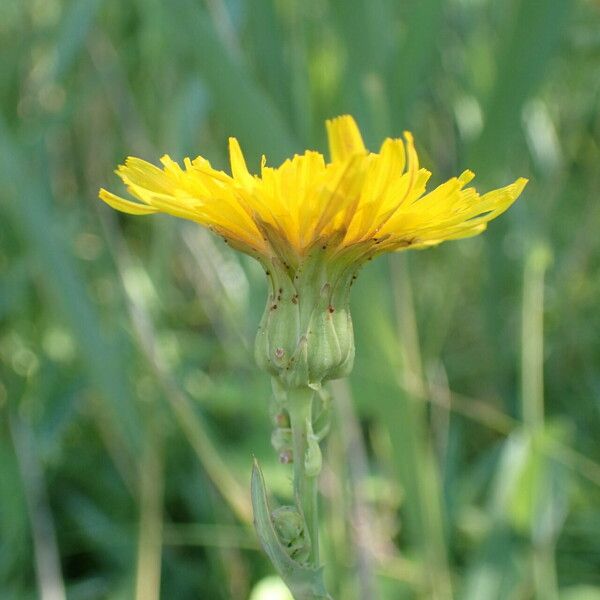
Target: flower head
pixel 312 224
pixel 372 202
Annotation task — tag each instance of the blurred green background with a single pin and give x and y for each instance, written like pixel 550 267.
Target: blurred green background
pixel 465 457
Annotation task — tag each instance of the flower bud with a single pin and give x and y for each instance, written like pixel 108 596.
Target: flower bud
pixel 291 531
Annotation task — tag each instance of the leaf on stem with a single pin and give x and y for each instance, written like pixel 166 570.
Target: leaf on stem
pixel 305 583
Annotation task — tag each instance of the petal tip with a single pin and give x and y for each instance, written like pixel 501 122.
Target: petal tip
pixel 239 169
pixel 518 186
pixel 344 138
pixel 126 206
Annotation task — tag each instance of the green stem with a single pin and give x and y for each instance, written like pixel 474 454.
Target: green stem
pixel 299 567
pixel 299 405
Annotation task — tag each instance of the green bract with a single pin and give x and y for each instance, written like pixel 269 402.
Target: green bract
pixel 305 336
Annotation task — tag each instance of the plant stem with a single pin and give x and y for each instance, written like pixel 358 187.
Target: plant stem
pixel 299 405
pixel 298 566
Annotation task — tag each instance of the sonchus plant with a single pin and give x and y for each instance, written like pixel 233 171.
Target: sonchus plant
pixel 311 224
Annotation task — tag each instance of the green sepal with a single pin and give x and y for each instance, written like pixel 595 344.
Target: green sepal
pixel 342 325
pixel 305 583
pixel 282 320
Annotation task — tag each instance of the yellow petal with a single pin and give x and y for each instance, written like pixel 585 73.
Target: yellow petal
pixel 126 206
pixel 239 170
pixel 344 138
pixel 413 158
pixel 465 177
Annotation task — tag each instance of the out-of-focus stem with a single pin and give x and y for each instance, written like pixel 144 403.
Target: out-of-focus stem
pixel 532 374
pixel 532 343
pixel 150 527
pixel 45 546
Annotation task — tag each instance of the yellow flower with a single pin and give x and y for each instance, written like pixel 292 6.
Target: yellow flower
pixel 312 224
pixel 359 200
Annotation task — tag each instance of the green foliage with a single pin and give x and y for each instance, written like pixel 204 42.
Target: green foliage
pixel 463 459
